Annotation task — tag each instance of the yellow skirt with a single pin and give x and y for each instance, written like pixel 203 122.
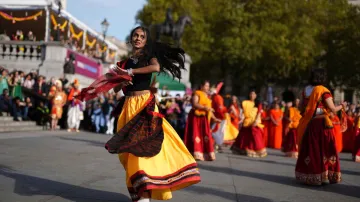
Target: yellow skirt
pixel 156 177
pixel 231 132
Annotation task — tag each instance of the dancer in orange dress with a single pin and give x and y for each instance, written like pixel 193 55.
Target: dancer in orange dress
pixel 289 145
pixel 198 138
pixel 58 98
pixel 276 127
pixel 356 150
pixel 318 160
pixel 337 132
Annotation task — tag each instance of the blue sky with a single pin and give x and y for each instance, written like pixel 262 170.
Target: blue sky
pixel 119 13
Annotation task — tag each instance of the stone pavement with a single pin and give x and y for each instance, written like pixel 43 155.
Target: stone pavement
pixel 61 167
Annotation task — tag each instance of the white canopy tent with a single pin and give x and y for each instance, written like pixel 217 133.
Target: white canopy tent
pixel 47 4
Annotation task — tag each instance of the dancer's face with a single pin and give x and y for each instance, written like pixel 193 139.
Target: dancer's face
pixel 252 95
pixel 234 99
pixel 297 102
pixel 206 87
pixel 138 39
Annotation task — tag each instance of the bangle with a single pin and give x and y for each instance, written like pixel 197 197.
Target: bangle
pixel 130 72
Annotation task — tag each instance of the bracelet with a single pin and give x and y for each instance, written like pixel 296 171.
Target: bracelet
pixel 130 72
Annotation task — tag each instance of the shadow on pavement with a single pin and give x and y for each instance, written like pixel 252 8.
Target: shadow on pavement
pixel 26 185
pixel 226 195
pixel 90 142
pixel 343 171
pixel 343 189
pixel 262 160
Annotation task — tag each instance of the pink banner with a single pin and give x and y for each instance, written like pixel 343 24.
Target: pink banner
pixel 86 66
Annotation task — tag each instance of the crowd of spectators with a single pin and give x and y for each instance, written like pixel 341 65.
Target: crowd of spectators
pixel 25 97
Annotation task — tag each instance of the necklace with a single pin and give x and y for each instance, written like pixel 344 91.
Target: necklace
pixel 134 59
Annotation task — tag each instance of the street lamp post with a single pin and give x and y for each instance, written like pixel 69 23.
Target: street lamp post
pixel 104 25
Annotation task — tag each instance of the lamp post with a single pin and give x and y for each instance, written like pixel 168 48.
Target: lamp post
pixel 104 26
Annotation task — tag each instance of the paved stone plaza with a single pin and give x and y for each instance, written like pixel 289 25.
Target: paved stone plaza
pixel 59 167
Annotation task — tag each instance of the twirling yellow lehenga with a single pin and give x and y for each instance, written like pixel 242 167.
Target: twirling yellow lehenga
pixel 171 169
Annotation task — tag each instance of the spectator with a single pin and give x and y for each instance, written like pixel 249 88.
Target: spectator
pixel 98 118
pixel 30 36
pixel 29 82
pixel 3 80
pixel 20 109
pixel 6 103
pixel 42 114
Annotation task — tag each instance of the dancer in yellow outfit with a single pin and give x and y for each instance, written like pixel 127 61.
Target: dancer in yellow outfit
pixel 154 157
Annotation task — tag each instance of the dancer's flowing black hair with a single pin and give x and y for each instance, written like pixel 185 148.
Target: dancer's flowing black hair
pixel 171 59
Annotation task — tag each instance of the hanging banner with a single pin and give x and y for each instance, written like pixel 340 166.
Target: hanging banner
pixel 86 66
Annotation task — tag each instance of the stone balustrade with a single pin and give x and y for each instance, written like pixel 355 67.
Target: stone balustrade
pixel 22 50
pixel 46 58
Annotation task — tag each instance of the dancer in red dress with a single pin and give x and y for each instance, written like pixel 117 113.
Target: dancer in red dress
pixel 356 151
pixel 250 139
pixel 293 116
pixel 198 137
pixel 318 160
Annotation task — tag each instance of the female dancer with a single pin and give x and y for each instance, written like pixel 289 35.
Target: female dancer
pixel 250 139
pixel 289 144
pixel 154 157
pixel 276 126
pixel 318 160
pixel 356 150
pixel 198 137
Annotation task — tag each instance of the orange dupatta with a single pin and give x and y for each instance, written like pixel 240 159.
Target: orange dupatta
pixel 205 101
pixel 314 100
pixel 250 114
pixel 295 116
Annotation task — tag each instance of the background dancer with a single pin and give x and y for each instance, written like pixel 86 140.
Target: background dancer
pixel 318 160
pixel 250 139
pixel 289 144
pixel 198 137
pixel 356 150
pixel 218 128
pixel 156 161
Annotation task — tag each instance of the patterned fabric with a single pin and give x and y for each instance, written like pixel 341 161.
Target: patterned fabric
pixel 198 139
pixel 318 160
pixel 103 84
pixel 142 182
pixel 142 136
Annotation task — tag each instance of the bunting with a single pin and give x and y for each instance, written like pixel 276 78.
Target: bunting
pixel 20 19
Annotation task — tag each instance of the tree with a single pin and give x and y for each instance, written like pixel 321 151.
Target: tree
pixel 251 42
pixel 342 45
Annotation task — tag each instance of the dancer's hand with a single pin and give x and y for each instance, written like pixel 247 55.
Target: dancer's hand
pixel 209 109
pixel 120 71
pixel 126 83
